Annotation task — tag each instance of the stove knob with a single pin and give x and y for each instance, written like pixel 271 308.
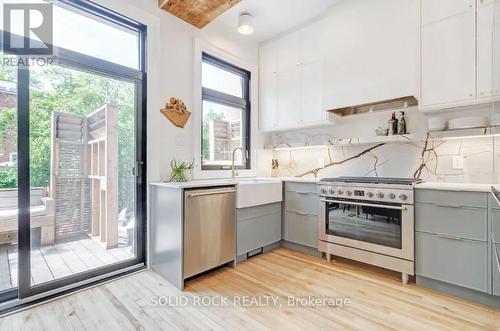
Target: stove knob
pixel 332 191
pixel 349 193
pixel 392 196
pixel 403 197
pixel 324 190
pixel 340 192
pixel 380 195
pixel 369 194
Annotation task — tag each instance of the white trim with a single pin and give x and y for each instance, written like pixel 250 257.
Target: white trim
pixel 201 46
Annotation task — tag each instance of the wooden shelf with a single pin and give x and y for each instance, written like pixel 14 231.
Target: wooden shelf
pixel 353 141
pixel 465 133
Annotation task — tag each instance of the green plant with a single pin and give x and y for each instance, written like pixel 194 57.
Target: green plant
pixel 179 170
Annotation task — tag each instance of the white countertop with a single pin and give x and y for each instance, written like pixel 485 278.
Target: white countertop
pixel 230 181
pixel 196 183
pixel 456 186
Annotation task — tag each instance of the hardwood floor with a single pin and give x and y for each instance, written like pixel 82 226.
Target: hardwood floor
pixel 58 260
pixel 378 301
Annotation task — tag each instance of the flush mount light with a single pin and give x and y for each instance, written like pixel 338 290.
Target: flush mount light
pixel 245 24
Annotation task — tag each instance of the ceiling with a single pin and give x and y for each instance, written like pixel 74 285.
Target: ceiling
pixel 273 17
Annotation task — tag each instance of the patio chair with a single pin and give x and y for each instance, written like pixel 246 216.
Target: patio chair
pixel 42 213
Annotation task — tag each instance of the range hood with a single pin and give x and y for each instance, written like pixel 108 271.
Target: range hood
pixel 397 103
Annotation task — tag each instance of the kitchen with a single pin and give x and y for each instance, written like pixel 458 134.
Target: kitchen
pixel 324 164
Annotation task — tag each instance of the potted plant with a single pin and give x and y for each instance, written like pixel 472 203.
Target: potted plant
pixel 181 172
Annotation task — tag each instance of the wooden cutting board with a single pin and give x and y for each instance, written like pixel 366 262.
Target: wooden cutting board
pixel 176 112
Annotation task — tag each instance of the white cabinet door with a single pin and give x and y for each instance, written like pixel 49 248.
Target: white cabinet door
pixel 496 50
pixel 311 110
pixel 435 10
pixel 449 60
pixel 288 52
pixel 485 53
pixel 312 42
pixel 268 87
pixel 289 99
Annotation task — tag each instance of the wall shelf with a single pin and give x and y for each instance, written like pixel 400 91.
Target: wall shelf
pixel 481 132
pixel 352 141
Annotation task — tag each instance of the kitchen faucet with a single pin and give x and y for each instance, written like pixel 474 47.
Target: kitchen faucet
pixel 234 170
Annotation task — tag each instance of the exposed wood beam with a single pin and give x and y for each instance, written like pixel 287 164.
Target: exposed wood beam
pixel 196 12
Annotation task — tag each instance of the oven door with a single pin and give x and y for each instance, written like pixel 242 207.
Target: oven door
pixel 372 226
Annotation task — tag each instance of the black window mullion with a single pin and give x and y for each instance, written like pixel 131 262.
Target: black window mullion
pixel 223 98
pixel 229 100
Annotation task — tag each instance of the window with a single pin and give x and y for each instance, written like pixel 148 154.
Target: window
pixel 225 115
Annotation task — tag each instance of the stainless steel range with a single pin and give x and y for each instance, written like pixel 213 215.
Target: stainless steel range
pixel 369 219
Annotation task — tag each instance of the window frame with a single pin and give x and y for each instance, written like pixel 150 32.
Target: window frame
pixel 71 59
pixel 229 100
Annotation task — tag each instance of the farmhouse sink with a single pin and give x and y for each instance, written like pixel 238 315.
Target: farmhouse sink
pixel 256 191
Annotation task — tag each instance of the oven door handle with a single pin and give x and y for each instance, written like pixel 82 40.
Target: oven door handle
pixel 365 204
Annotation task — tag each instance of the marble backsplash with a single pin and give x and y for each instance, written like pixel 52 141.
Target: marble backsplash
pixel 457 161
pixel 461 160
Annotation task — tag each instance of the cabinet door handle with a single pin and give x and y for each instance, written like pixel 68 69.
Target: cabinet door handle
pixel 446 236
pixel 302 213
pixel 448 205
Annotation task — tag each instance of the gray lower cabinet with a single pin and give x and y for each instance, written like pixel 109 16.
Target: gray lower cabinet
pixel 495 245
pixel 452 239
pixel 301 229
pixel 455 261
pixel 495 267
pixel 301 210
pixel 257 227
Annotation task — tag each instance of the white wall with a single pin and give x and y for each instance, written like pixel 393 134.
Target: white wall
pixel 170 73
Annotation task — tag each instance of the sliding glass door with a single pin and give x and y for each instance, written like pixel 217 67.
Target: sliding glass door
pixel 78 160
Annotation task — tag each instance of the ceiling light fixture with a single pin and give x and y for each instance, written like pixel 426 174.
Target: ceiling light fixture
pixel 245 24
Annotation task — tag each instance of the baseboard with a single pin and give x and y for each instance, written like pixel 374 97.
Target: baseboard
pixel 458 291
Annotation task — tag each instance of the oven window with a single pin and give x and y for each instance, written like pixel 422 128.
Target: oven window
pixel 377 225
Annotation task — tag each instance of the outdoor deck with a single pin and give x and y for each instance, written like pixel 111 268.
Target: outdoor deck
pixel 59 260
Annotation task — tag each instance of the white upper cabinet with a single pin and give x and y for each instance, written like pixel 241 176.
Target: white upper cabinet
pixel 488 49
pixel 485 30
pixel 289 99
pixel 289 52
pixel 291 80
pixel 459 53
pixel 436 10
pixel 268 87
pixel 371 52
pixel 311 109
pixel 448 60
pixel 312 42
pixel 496 51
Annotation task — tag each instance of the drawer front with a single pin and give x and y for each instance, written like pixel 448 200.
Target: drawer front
pixel 303 202
pixel 253 233
pixel 258 211
pixel 458 262
pixel 495 224
pixel 454 198
pixel 495 270
pixel 301 229
pixel 467 223
pixel 301 187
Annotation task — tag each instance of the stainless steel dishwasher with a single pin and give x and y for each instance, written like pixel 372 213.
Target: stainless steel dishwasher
pixel 209 229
